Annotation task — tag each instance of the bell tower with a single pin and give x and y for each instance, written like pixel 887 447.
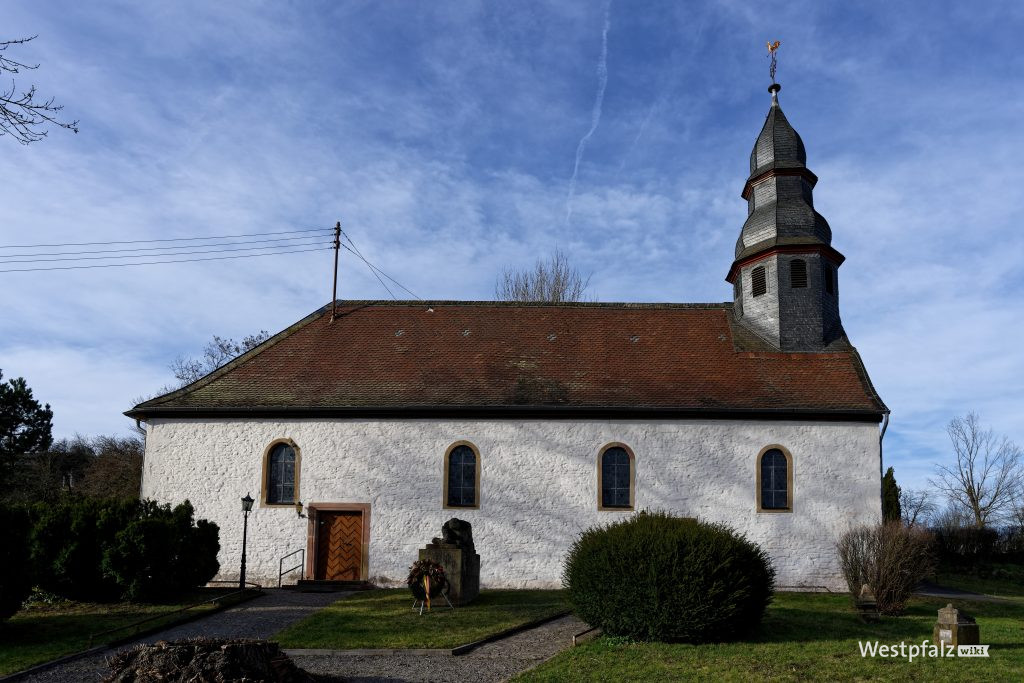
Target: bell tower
pixel 785 273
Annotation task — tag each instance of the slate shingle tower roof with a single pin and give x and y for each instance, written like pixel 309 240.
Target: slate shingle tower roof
pixel 780 203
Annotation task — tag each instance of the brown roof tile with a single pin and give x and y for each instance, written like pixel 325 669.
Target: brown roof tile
pixel 467 356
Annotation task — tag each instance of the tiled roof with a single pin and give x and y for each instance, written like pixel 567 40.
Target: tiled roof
pixel 466 357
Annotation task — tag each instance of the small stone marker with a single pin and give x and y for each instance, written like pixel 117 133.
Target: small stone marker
pixel 956 628
pixel 867 604
pixel 456 553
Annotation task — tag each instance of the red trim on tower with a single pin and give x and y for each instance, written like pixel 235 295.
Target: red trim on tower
pixel 825 251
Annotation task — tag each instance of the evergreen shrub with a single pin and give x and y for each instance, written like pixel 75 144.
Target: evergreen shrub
pixel 15 570
pixel 659 577
pixel 162 553
pixel 68 543
pixel 105 550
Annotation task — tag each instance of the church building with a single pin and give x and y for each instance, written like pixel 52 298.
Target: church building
pixel 360 436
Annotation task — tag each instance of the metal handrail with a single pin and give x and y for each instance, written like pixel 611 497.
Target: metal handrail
pixel 301 566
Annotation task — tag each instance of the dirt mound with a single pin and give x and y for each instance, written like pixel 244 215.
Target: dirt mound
pixel 206 659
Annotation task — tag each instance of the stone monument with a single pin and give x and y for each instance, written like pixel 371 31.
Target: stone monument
pixel 455 552
pixel 955 627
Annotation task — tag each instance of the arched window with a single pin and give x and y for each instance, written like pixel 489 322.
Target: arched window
pixel 797 273
pixel 462 476
pixel 615 478
pixel 758 281
pixel 774 481
pixel 280 474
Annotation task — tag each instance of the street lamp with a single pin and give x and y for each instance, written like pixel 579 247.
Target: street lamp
pixel 246 509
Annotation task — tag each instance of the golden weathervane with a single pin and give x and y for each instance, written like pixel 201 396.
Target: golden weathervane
pixel 772 47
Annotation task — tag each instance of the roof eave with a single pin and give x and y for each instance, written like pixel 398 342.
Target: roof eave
pixel 511 412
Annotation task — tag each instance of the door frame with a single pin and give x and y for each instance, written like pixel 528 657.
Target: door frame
pixel 313 511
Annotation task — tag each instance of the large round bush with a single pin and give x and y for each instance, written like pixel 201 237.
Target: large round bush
pixel 658 577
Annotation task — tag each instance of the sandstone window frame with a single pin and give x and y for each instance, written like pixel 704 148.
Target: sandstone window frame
pixel 265 483
pixel 476 475
pixel 789 479
pixel 600 478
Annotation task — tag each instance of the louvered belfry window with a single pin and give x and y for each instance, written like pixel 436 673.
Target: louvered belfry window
pixel 462 477
pixel 830 278
pixel 758 281
pixel 615 479
pixel 797 273
pixel 281 475
pixel 774 480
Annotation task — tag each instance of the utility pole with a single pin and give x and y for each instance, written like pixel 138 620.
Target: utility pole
pixel 334 291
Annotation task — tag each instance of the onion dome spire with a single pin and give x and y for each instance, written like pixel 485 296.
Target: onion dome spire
pixel 784 276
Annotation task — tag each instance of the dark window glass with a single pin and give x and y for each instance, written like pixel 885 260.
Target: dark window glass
pixel 615 478
pixel 758 281
pixel 830 278
pixel 462 477
pixel 797 273
pixel 281 474
pixel 774 481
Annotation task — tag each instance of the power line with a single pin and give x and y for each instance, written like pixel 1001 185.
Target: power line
pixel 131 256
pixel 176 246
pixel 381 272
pixel 150 263
pixel 166 239
pixel 360 255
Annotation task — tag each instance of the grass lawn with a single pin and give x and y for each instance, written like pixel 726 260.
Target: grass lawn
pixel 805 637
pixel 44 632
pixel 386 619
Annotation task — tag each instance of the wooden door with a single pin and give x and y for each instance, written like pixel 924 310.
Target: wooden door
pixel 339 546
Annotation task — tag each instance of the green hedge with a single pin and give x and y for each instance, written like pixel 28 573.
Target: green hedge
pixel 103 550
pixel 15 568
pixel 162 553
pixel 69 541
pixel 659 577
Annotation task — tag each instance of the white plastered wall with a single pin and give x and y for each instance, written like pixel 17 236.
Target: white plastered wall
pixel 538 486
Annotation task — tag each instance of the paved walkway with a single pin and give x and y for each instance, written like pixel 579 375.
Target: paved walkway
pixel 260 617
pixel 489 663
pixel 932 590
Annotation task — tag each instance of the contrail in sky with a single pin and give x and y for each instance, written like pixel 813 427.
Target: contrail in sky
pixel 595 114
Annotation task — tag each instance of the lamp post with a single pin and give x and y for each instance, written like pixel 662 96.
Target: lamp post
pixel 246 509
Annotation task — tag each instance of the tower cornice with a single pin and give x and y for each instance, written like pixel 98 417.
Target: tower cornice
pixel 762 251
pixel 773 171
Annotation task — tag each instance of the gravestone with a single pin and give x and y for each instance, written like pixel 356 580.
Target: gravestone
pixel 954 627
pixel 455 552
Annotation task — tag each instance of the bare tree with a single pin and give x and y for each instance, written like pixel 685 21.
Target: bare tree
pixel 25 117
pixel 986 478
pixel 916 507
pixel 216 353
pixel 553 281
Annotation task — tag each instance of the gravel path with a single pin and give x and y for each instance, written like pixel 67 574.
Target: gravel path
pixel 257 618
pixel 496 661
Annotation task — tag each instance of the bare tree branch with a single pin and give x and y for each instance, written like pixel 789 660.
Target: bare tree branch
pixel 216 353
pixel 916 507
pixel 24 117
pixel 987 475
pixel 553 281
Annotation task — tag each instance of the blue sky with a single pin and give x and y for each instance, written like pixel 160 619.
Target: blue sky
pixel 445 136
